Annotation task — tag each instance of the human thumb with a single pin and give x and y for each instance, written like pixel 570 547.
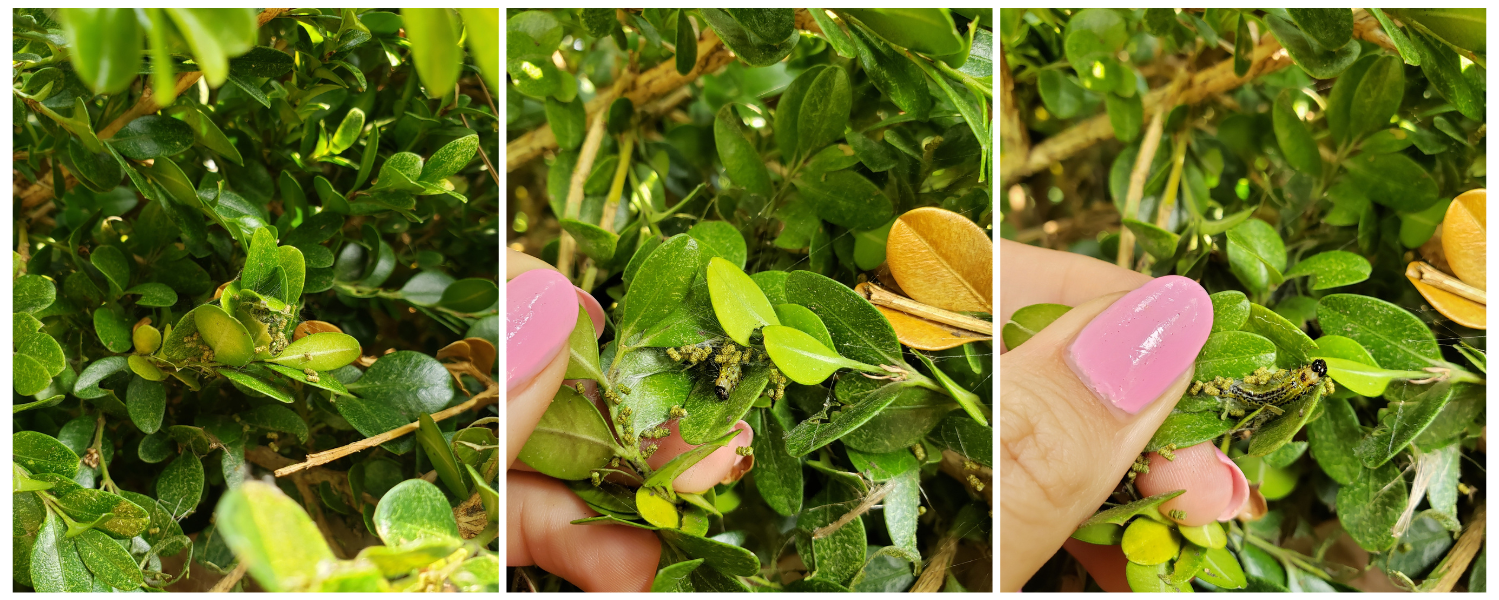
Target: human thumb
pixel 1079 401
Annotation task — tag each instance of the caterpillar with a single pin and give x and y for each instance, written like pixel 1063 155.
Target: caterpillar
pixel 1265 388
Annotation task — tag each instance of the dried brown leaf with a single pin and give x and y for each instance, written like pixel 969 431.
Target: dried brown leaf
pixel 921 334
pixel 943 259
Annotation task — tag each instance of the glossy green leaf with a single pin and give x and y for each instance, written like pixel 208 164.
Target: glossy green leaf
pixel 929 31
pixel 55 563
pixel 686 45
pixel 440 454
pixel 740 159
pixel 583 350
pixel 257 384
pixel 593 241
pixel 112 327
pixel 1401 424
pixel 1061 94
pixel 41 453
pixel 153 136
pixel 1316 61
pixel 1370 506
pixel 323 351
pixel 1093 34
pixel 154 294
pixel 1293 346
pixel 898 78
pixel 568 121
pixel 840 554
pixel 449 159
pixel 758 36
pixel 1220 568
pixel 393 392
pixel 110 563
pixel 1378 96
pixel 1331 28
pixel 1393 180
pixel 434 36
pixel 215 34
pixel 1333 268
pixel 847 199
pixel 414 511
pixel 1395 337
pixel 739 304
pixel 104 45
pixel 660 285
pixel 824 111
pixel 727 558
pixel 470 295
pixel 1279 431
pixel 147 403
pixel 812 434
pixel 1293 135
pixel 1186 429
pixel 778 474
pixel 1444 69
pixel 721 239
pixel 105 511
pixel 113 263
pixel 1030 320
pixel 230 342
pixel 180 485
pixel 675 577
pixel 33 293
pixel 275 418
pixel 1160 243
pixel 858 329
pixel 802 358
pixel 280 545
pixel 570 440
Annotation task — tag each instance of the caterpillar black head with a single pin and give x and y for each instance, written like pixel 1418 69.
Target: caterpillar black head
pixel 1319 367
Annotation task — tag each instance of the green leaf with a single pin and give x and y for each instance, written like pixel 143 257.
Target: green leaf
pixel 800 318
pixel 470 295
pixel 1256 254
pixel 668 472
pixel 1377 97
pixel 107 512
pixel 1030 320
pixel 1093 34
pixel 709 416
pixel 275 418
pixel 840 554
pixel 215 34
pixel 1316 61
pixel 1295 139
pixel 675 577
pixel 1294 347
pixel 571 439
pixel 727 558
pixel 568 121
pixel 323 351
pixel 260 261
pixel 180 485
pixel 929 31
pixel 393 392
pixel 1184 429
pixel 846 198
pixel 812 434
pixel 229 339
pixel 1160 243
pixel 1230 310
pixel 1332 269
pixel 660 285
pixel 110 563
pixel 1333 439
pixel 441 456
pixel 686 45
pixel 823 111
pixel 593 241
pixel 1393 180
pixel 722 239
pixel 802 358
pixel 758 36
pixel 114 265
pixel 415 511
pixel 347 133
pixel 153 136
pixel 258 385
pixel 1331 28
pixel 740 306
pixel 858 329
pixel 42 453
pixel 147 403
pixel 778 475
pixel 154 294
pixel 112 327
pixel 1396 338
pixel 55 564
pixel 737 154
pixel 449 159
pixel 1126 115
pixel 101 43
pixel 270 532
pixel 33 293
pixel 1061 94
pixel 426 288
pixel 1371 505
pixel 1401 423
pixel 1443 68
pixel 434 34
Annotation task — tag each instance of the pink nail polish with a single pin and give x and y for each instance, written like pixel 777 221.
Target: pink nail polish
pixel 1240 487
pixel 1132 351
pixel 541 310
pixel 595 312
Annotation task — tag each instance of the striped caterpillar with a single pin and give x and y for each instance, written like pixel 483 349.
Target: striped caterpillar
pixel 1265 388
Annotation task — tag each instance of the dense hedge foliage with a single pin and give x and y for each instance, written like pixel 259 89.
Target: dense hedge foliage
pixel 244 238
pixel 722 208
pixel 1298 163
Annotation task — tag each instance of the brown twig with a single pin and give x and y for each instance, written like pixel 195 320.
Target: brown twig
pixel 879 296
pixel 712 55
pixel 1456 562
pixel 574 203
pixel 1425 273
pixel 228 582
pixel 1141 170
pixel 873 498
pixel 935 575
pixel 489 396
pixel 1014 139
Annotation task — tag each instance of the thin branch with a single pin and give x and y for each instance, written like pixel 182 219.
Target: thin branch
pixel 1462 553
pixel 712 55
pixel 489 396
pixel 584 166
pixel 874 497
pixel 227 583
pixel 1425 273
pixel 879 296
pixel 1141 171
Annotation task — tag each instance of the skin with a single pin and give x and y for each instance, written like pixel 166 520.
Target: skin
pixel 539 509
pixel 1063 451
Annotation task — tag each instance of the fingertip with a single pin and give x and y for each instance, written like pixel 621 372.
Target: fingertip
pixel 723 465
pixel 1210 486
pixel 526 403
pixel 596 558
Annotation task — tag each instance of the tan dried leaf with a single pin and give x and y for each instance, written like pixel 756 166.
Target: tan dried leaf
pixel 306 328
pixel 921 334
pixel 138 324
pixel 1465 237
pixel 1461 310
pixel 943 259
pixel 459 350
pixel 483 352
